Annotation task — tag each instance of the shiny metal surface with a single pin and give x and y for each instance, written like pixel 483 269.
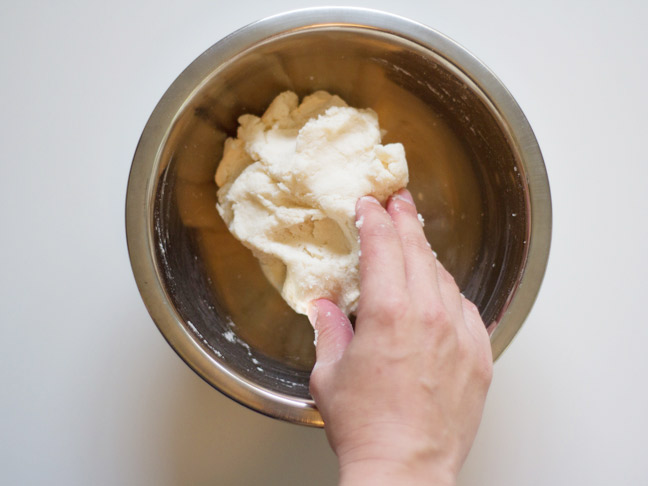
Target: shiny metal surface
pixel 476 173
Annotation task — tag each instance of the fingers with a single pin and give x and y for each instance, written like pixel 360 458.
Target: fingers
pixel 396 257
pixel 333 331
pixel 382 266
pixel 427 279
pixel 420 262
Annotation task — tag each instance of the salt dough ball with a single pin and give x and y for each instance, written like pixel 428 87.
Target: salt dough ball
pixel 289 184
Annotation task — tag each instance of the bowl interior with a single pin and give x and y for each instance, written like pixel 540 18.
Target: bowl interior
pixel 466 178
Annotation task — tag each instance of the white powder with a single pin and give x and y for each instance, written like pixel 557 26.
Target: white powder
pixel 289 184
pixel 200 336
pixel 233 338
pixel 230 336
pixel 192 327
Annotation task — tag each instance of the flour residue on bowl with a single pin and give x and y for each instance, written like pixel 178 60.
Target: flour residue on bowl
pixel 231 336
pixel 205 342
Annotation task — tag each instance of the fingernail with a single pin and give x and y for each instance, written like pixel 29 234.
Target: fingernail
pixel 405 195
pixel 311 312
pixel 370 199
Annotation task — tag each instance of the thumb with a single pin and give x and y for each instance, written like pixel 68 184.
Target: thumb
pixel 333 330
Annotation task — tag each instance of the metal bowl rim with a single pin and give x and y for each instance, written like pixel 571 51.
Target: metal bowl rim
pixel 141 187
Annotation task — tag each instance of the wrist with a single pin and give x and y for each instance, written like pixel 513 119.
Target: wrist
pixel 394 473
pixel 396 454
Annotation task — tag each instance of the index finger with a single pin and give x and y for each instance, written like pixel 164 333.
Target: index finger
pixel 382 265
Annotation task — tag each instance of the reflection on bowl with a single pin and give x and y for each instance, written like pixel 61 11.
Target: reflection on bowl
pixel 476 174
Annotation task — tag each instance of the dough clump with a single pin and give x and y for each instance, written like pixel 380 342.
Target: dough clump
pixel 288 186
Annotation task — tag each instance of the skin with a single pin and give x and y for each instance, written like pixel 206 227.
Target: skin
pixel 402 395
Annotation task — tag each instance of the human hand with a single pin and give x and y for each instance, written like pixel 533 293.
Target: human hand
pixel 402 397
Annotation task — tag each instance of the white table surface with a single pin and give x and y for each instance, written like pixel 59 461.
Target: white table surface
pixel 92 394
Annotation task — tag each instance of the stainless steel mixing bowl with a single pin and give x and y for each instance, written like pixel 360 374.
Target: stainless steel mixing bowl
pixel 476 173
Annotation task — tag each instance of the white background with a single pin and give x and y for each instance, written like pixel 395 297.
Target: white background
pixel 91 394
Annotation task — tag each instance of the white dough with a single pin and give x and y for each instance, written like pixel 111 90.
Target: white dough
pixel 288 188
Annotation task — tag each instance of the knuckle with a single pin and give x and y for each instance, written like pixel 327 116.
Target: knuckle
pixel 437 316
pixel 471 308
pixel 389 308
pixel 485 370
pixel 478 361
pixel 394 305
pixel 482 358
